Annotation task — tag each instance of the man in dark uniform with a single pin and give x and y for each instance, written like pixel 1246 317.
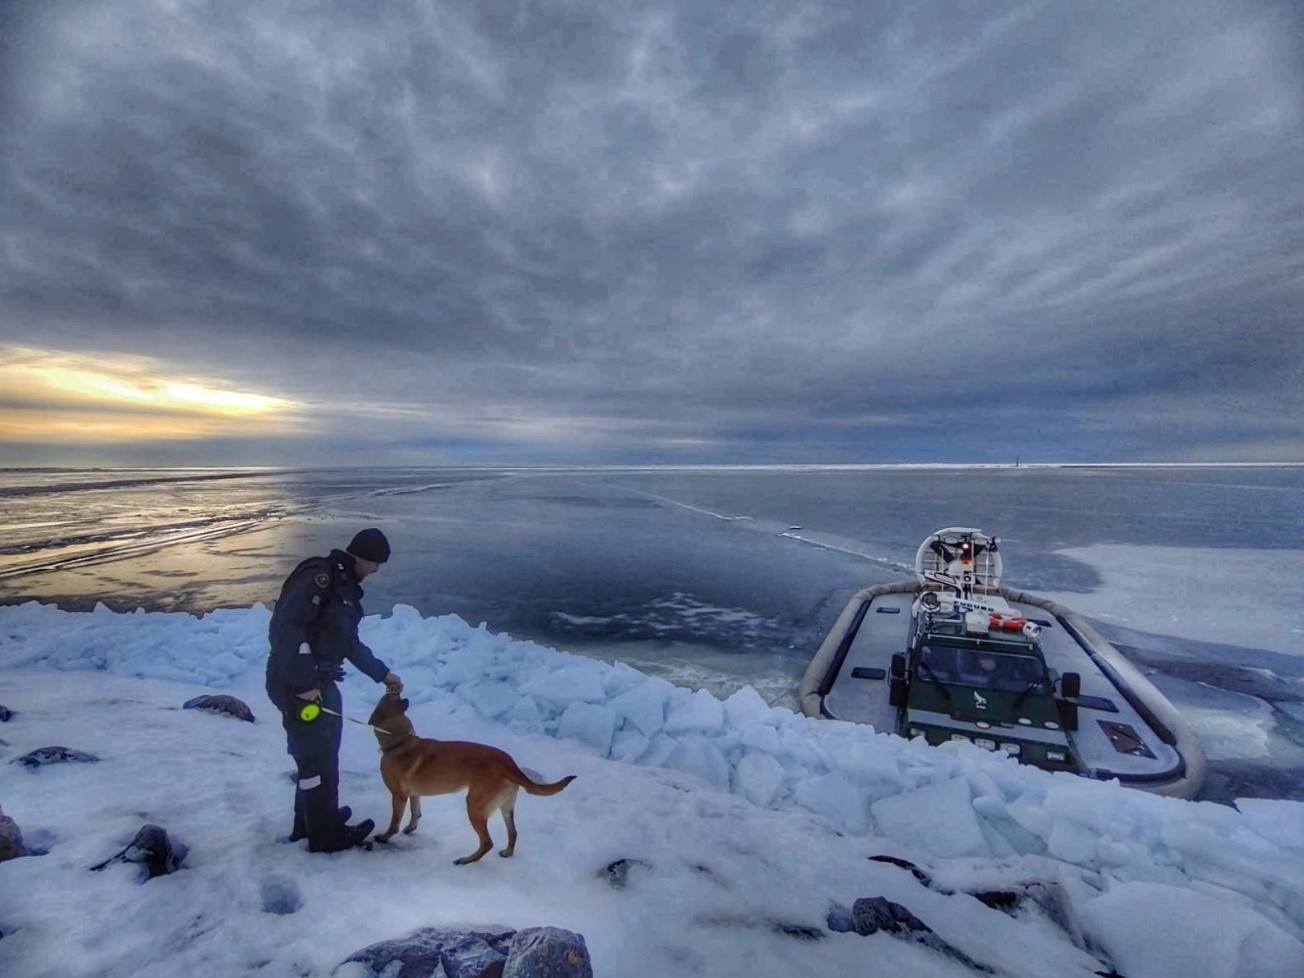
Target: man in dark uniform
pixel 314 628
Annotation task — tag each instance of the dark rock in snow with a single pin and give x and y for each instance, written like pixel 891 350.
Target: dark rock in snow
pixel 787 928
pixel 153 849
pixel 906 864
pixel 547 952
pixel 11 839
pixel 5 714
pixel 617 873
pixel 1004 900
pixel 871 914
pixel 440 952
pixel 54 755
pixel 226 705
pixel 799 931
pixel 445 952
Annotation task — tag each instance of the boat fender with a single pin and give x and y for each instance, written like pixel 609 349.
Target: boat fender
pixel 999 621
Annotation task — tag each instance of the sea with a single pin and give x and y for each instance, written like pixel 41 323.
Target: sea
pixel 719 577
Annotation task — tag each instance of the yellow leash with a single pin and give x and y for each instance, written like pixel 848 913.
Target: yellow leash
pixel 310 711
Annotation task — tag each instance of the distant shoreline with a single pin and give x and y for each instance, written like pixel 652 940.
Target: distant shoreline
pixel 669 467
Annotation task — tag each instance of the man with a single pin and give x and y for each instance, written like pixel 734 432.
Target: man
pixel 314 628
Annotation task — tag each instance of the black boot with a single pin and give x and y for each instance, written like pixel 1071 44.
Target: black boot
pixel 350 836
pixel 300 831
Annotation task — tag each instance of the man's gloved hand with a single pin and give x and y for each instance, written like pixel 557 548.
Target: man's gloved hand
pixel 337 671
pixel 393 683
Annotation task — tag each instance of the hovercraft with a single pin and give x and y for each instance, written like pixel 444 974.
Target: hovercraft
pixel 954 655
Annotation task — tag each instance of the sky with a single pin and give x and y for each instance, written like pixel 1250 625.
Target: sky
pixel 687 232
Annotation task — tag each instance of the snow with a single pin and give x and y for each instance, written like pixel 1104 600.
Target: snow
pixel 1135 923
pixel 746 816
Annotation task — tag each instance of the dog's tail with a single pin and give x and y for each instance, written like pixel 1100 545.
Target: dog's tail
pixel 519 777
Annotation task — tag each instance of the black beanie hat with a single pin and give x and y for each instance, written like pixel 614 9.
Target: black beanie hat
pixel 370 544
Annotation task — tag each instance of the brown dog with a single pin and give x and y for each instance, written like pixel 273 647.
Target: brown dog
pixel 413 766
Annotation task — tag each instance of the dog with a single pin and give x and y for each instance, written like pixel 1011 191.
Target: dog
pixel 413 767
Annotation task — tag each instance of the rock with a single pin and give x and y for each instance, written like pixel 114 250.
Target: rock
pixel 906 864
pixel 872 914
pixel 1004 900
pixel 153 849
pixel 5 714
pixel 11 839
pixel 547 952
pixel 786 928
pixel 869 915
pixel 439 952
pixel 54 755
pixel 617 873
pixel 224 704
pixel 799 931
pixel 498 952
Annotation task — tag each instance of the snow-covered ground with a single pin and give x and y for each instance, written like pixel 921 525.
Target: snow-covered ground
pixel 739 819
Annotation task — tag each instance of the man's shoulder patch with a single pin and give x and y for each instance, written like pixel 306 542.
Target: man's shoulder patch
pixel 322 580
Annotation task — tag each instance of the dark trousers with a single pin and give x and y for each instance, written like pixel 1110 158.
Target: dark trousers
pixel 315 747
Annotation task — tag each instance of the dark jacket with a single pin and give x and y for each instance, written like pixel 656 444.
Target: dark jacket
pixel 314 628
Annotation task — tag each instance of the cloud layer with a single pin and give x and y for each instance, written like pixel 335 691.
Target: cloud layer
pixel 675 231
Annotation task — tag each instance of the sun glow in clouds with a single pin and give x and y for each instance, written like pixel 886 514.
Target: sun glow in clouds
pixel 51 396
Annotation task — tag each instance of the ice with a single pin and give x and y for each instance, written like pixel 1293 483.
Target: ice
pixel 1179 581
pixel 746 708
pixel 460 666
pixel 802 748
pixel 660 748
pixel 702 713
pixel 524 716
pixel 758 777
pixel 699 756
pixel 644 705
pixel 938 819
pixel 620 678
pixel 589 724
pixel 1072 842
pixel 492 699
pixel 559 687
pixel 629 744
pixel 763 737
pixel 837 798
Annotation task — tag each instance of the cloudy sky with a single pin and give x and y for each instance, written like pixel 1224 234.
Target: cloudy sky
pixel 264 232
